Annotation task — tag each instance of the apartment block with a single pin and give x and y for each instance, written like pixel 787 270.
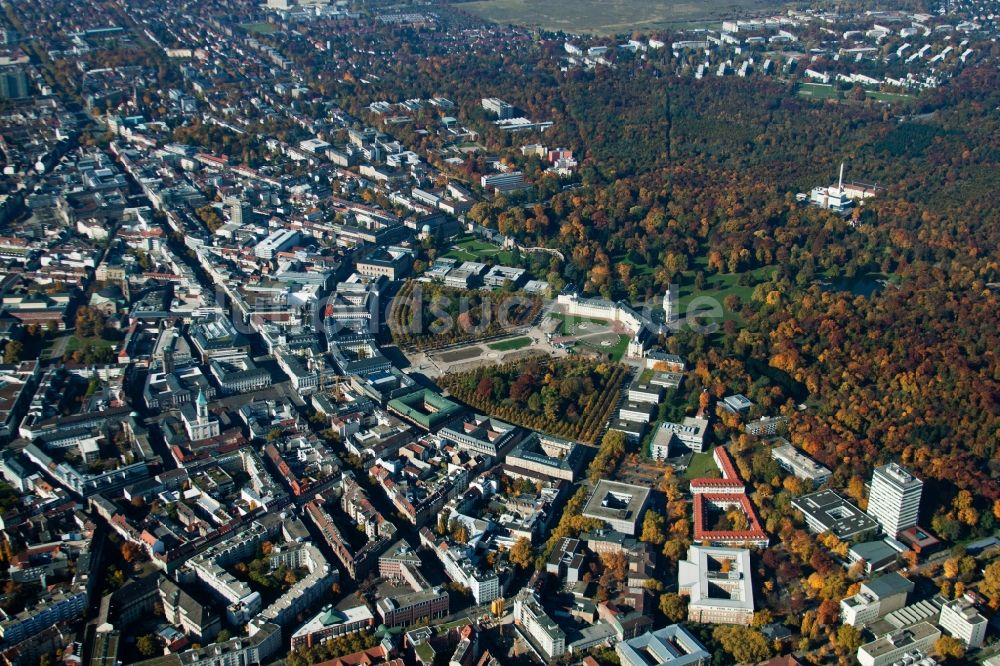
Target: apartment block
pixel 542 632
pixel 498 107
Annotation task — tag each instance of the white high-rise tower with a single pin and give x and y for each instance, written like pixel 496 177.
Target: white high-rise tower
pixel 668 306
pixel 895 498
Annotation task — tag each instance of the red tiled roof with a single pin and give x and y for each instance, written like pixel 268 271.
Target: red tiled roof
pixel 730 477
pixel 754 533
pixel 717 483
pixel 725 463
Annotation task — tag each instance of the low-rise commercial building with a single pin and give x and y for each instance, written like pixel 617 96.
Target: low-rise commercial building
pixel 826 511
pixel 736 404
pixel 425 408
pixel 392 262
pixel 304 378
pixel 620 505
pixel 239 376
pixel 279 240
pixel 891 649
pixel 465 276
pixel 217 337
pixel 645 391
pixel 504 276
pixel 503 182
pixel 548 456
pixel 961 619
pixel 875 599
pixel 183 610
pixel 639 412
pixel 632 430
pixel 480 434
pixel 689 433
pixel 799 464
pixel 331 622
pixel 670 646
pixel 498 107
pixel 876 555
pixel 766 426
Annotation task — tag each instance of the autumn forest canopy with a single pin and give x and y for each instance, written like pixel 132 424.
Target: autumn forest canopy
pixel 684 180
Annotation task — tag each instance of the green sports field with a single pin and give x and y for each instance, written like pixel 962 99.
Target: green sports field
pixel 818 91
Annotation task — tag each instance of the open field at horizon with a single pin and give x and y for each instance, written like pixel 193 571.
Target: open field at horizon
pixel 609 17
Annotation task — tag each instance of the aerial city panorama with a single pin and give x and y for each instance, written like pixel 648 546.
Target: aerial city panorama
pixel 499 332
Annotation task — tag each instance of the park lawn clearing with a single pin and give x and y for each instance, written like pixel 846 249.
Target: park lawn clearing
pixel 504 257
pixel 570 325
pixel 460 255
pixel 702 467
pixel 76 342
pixel 718 286
pixel 619 348
pixel 511 345
pixel 472 249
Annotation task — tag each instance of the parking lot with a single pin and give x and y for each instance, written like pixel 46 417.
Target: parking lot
pixel 641 474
